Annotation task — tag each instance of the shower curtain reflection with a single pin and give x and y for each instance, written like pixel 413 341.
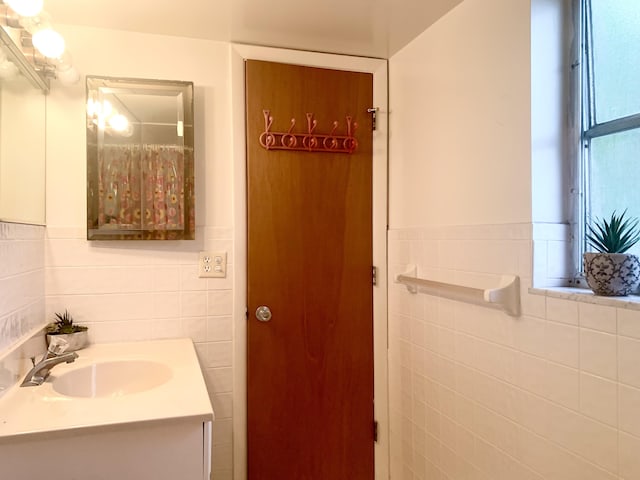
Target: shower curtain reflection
pixel 144 188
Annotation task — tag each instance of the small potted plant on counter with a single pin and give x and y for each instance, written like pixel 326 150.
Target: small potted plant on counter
pixel 610 271
pixel 77 336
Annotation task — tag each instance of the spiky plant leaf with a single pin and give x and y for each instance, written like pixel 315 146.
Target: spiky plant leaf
pixel 64 318
pixel 617 235
pixel 64 325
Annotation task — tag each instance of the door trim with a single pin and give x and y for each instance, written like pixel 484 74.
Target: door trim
pixel 379 69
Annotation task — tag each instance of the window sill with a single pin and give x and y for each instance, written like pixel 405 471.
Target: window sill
pixel 632 302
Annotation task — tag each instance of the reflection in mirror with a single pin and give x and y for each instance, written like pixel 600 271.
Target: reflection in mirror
pixel 140 171
pixel 22 137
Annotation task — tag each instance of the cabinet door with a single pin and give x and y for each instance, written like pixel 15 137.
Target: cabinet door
pixel 167 451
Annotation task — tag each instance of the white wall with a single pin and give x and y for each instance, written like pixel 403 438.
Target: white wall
pixel 460 120
pixel 554 141
pixel 145 290
pixel 475 394
pixel 129 290
pixel 550 90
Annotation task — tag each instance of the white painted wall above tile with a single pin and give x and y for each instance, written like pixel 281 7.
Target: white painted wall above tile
pixel 460 128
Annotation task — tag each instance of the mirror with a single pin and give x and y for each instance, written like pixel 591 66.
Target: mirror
pixel 140 170
pixel 22 136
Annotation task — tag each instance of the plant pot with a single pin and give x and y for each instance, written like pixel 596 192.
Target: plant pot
pixel 612 274
pixel 76 340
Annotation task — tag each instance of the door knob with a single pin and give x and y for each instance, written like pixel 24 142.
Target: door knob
pixel 263 313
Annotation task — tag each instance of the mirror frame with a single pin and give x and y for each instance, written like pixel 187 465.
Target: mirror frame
pixel 101 226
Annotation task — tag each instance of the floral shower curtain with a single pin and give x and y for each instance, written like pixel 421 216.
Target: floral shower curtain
pixel 143 187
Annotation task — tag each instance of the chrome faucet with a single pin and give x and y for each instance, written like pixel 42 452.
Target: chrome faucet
pixel 40 371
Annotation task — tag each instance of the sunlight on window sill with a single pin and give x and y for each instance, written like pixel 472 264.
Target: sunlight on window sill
pixel 584 295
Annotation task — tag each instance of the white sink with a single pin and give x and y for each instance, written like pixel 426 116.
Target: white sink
pixel 112 379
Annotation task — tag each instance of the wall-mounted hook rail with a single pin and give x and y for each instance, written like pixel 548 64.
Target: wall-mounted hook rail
pixel 310 141
pixel 505 297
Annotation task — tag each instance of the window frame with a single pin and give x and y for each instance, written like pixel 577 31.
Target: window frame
pixel 590 129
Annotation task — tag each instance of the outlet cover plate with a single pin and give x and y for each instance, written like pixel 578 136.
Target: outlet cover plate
pixel 212 264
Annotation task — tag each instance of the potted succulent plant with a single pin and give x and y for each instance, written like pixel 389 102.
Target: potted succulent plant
pixel 610 271
pixel 76 336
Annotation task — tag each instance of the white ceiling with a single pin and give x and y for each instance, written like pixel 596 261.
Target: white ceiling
pixel 377 28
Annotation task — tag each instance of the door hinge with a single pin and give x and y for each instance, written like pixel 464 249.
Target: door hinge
pixel 374 113
pixel 375 431
pixel 374 276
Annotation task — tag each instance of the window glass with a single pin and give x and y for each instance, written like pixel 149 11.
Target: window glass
pixel 613 183
pixel 616 56
pixel 611 140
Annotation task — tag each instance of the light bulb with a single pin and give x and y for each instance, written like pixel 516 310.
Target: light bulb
pixel 25 8
pixel 69 76
pixel 118 122
pixel 63 62
pixel 48 42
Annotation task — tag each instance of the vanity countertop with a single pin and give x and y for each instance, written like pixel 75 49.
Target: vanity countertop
pixel 182 396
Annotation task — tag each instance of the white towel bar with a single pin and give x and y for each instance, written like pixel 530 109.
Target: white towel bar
pixel 505 297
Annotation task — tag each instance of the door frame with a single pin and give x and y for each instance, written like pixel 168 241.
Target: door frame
pixel 379 68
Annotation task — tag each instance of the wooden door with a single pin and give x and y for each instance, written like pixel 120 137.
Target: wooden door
pixel 310 368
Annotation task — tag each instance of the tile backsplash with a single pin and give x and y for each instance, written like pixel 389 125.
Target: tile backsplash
pixel 124 291
pixel 144 290
pixel 22 296
pixel 476 394
pixel 21 281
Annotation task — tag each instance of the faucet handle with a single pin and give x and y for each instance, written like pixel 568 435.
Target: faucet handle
pixel 57 345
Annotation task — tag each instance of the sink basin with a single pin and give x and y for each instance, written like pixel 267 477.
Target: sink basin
pixel 112 379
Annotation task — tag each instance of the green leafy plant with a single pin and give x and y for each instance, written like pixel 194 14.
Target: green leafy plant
pixel 64 325
pixel 617 235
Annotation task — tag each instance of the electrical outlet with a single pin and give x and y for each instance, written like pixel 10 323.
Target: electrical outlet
pixel 212 264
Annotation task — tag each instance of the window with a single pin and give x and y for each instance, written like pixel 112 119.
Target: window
pixel 611 108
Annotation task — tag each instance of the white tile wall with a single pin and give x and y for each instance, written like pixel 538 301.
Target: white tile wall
pixel 128 291
pixel 476 394
pixel 21 288
pixel 553 258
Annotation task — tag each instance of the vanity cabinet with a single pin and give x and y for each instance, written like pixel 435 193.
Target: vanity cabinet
pixel 167 450
pixel 136 424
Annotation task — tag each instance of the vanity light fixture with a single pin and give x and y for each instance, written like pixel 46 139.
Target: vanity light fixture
pixel 26 8
pixel 37 40
pixel 118 122
pixel 48 42
pixel 106 117
pixel 43 37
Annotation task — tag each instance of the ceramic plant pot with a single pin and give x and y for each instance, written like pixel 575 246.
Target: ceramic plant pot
pixel 76 340
pixel 612 274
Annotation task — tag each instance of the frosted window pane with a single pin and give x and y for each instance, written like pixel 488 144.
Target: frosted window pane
pixel 616 39
pixel 615 176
